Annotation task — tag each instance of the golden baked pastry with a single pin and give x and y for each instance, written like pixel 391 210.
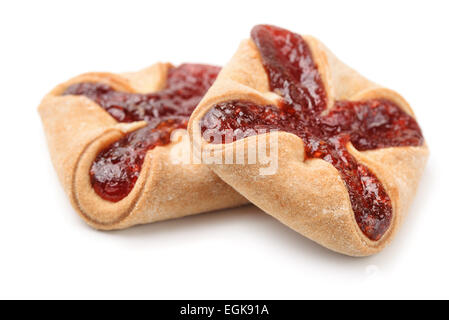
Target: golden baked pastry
pixel 350 152
pixel 109 137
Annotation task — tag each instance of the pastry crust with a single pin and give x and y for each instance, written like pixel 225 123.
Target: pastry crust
pixel 77 129
pixel 309 196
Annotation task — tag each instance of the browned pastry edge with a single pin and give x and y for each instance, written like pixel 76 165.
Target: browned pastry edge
pixel 309 196
pixel 77 129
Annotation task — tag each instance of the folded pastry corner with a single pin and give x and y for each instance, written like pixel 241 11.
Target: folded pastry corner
pixel 349 153
pixel 109 137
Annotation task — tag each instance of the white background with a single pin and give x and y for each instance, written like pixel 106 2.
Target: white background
pixel 46 251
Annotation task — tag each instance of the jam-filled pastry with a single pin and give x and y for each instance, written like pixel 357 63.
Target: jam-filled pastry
pixel 109 136
pixel 350 152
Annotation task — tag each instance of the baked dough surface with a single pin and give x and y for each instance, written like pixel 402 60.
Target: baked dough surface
pixel 77 129
pixel 309 196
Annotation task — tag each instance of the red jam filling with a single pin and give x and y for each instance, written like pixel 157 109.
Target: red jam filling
pixel 368 125
pixel 116 169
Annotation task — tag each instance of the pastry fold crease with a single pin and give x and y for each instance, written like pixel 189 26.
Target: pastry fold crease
pixel 309 196
pixel 77 129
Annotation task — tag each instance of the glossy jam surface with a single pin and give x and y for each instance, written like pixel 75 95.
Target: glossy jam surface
pixel 116 169
pixel 367 124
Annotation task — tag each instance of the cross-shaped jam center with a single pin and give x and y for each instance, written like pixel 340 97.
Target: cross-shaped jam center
pixel 116 169
pixel 369 124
